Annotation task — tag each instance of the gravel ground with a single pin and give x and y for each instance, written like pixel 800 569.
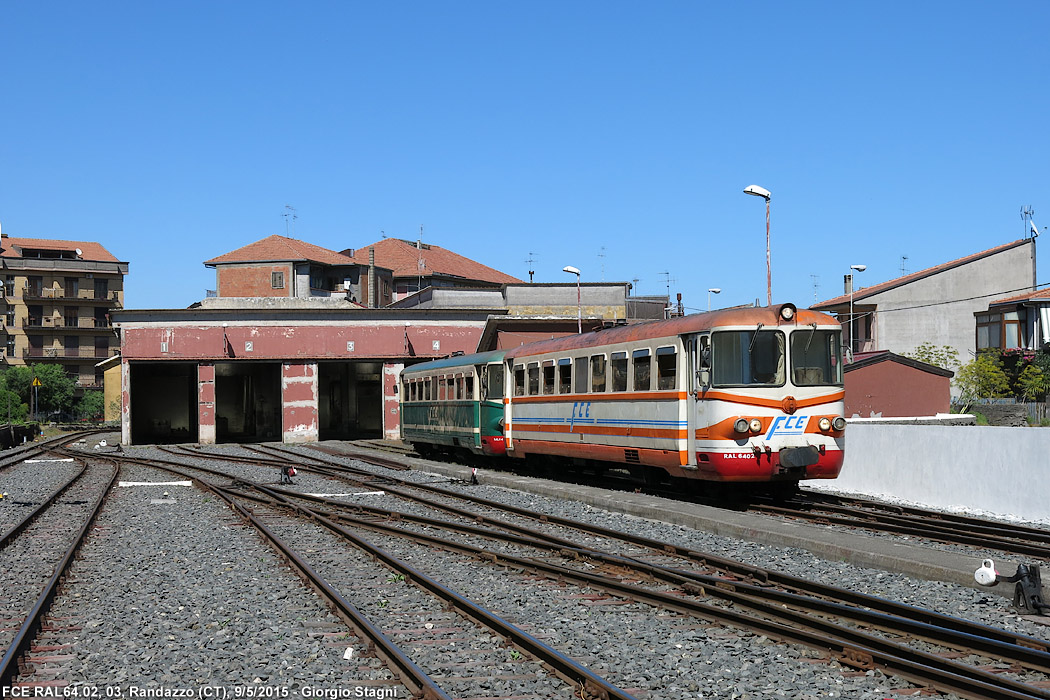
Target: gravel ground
pixel 179 594
pixel 697 660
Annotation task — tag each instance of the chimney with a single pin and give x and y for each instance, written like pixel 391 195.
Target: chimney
pixel 372 297
pixel 847 284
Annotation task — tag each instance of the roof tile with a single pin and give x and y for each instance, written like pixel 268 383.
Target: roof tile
pixel 89 250
pixel 406 260
pixel 281 248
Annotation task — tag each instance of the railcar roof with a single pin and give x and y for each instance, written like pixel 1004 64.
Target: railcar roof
pixel 769 316
pixel 478 358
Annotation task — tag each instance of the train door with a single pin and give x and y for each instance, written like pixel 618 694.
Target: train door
pixel 699 383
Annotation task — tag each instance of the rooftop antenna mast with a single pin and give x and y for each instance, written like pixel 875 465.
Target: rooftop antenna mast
pixel 667 281
pixel 904 269
pixel 1026 216
pixel 816 286
pixel 290 216
pixel 528 261
pixel 601 256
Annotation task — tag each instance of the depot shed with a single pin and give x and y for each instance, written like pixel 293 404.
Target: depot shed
pixel 276 371
pixel 884 384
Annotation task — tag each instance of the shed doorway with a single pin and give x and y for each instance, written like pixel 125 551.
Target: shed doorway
pixel 350 396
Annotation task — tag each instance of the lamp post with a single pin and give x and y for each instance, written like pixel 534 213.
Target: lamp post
pixel 712 290
pixel 579 308
pixel 858 268
pixel 764 193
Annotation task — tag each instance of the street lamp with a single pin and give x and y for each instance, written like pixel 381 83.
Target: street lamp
pixel 579 309
pixel 764 193
pixel 712 290
pixel 858 268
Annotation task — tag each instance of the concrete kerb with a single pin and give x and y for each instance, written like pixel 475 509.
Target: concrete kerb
pixel 885 554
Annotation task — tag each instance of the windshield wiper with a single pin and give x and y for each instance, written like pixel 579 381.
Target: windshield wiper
pixel 754 338
pixel 811 334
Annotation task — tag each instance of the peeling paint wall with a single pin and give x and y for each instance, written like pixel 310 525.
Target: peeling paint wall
pixel 206 404
pixel 391 405
pixel 299 401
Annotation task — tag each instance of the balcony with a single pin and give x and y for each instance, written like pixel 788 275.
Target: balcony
pixel 59 296
pixel 68 354
pixel 58 324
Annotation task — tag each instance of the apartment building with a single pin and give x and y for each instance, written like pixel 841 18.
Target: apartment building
pixel 57 299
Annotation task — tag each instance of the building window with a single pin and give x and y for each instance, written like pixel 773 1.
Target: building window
pixel 277 280
pixel 72 287
pixel 1001 331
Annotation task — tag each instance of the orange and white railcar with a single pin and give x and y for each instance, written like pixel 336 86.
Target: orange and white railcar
pixel 738 395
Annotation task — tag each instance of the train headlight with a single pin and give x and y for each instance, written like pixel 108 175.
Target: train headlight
pixel 755 425
pixel 740 425
pixel 787 312
pixel 825 424
pixel 839 423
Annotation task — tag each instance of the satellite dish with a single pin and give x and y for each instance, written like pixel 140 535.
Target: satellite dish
pixel 79 252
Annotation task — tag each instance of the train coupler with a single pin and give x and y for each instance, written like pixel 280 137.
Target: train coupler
pixel 1028 591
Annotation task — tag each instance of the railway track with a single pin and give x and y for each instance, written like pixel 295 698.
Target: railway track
pixel 36 552
pixel 843 624
pixel 1010 539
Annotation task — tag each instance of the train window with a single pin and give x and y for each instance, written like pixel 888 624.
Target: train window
pixel 427 383
pixel 642 370
pixel 581 375
pixel 816 357
pixel 748 358
pixel 494 384
pixel 548 377
pixel 666 368
pixel 468 388
pixel 411 389
pixel 598 373
pixel 619 371
pixel 519 380
pixel 460 389
pixel 534 378
pixel 442 389
pixel 565 376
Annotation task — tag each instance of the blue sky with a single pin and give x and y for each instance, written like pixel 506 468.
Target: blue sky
pixel 616 137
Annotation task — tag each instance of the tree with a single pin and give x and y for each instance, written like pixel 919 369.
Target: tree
pixel 91 406
pixel 983 378
pixel 55 392
pixel 1031 383
pixel 943 356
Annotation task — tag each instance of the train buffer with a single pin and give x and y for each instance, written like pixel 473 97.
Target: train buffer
pixel 1028 591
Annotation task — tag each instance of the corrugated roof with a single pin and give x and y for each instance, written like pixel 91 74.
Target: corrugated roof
pixel 281 249
pixel 865 292
pixel 89 250
pixel 429 260
pixel 867 359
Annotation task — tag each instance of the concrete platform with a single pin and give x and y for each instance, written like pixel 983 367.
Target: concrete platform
pixel 884 553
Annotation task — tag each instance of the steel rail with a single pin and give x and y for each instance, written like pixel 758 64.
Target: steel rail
pixel 905 526
pixel 709 584
pixel 850 645
pixel 8 537
pixel 568 669
pixel 744 571
pixel 34 621
pixel 853 647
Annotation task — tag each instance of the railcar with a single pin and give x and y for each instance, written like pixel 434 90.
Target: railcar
pixel 738 395
pixel 454 404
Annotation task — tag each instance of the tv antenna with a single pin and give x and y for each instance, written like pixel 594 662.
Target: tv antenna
pixel 529 261
pixel 601 256
pixel 668 280
pixel 1029 226
pixel 290 215
pixel 904 269
pixel 816 286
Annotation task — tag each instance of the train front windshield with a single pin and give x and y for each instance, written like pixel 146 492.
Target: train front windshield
pixel 816 358
pixel 748 358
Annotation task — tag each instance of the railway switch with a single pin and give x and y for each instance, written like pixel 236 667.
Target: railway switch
pixel 1028 593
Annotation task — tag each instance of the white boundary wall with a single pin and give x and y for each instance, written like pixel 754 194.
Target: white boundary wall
pixel 1005 471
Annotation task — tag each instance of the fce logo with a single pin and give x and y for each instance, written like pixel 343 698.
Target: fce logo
pixel 787 425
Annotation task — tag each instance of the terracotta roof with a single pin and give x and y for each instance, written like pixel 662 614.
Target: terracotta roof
pixel 89 250
pixel 865 292
pixel 404 259
pixel 281 249
pixel 1041 295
